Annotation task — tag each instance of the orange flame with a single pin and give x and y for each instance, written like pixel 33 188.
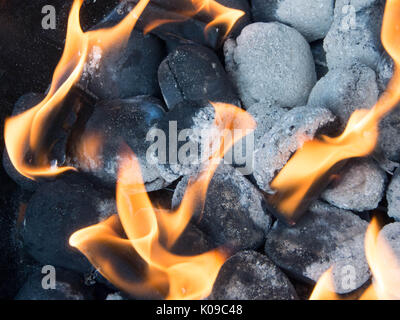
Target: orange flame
pixel 220 14
pixel 359 138
pixel 25 133
pixel 145 226
pixel 324 289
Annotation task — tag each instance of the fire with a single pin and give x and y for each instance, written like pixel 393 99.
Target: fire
pixel 324 289
pixel 384 267
pixel 220 15
pixel 151 231
pixel 314 160
pixel 25 134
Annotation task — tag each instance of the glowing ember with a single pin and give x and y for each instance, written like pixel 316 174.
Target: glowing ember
pixel 186 277
pixel 25 134
pixel 310 163
pixel 220 15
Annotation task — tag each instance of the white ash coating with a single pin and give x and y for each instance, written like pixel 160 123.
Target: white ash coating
pixel 388 244
pixel 286 136
pixel 312 18
pixel 355 33
pixel 266 114
pixel 361 186
pixel 390 236
pixel 325 237
pixel 271 62
pixel 203 130
pixel 393 196
pixel 344 90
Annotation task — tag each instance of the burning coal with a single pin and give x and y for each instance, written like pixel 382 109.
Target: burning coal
pixel 185 277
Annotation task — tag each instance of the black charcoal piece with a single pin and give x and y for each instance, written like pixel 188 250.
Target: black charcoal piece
pixel 249 275
pixel 58 209
pixel 183 28
pixel 234 213
pixel 325 237
pixel 393 196
pixel 68 285
pixel 312 18
pixel 194 73
pixel 192 242
pixel 360 186
pixel 355 33
pixel 271 62
pixel 286 136
pixel 24 103
pixel 344 90
pixel 115 123
pixel 124 72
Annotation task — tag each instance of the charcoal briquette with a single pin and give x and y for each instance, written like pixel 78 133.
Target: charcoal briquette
pixel 271 62
pixel 286 136
pixel 355 33
pixel 124 72
pixel 344 90
pixel 249 275
pixel 266 114
pixel 360 186
pixel 56 210
pixel 116 123
pixel 234 213
pixel 206 81
pixel 325 237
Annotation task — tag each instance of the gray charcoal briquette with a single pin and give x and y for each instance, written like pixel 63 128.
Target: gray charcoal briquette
pixel 361 186
pixel 325 237
pixel 249 275
pixel 271 62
